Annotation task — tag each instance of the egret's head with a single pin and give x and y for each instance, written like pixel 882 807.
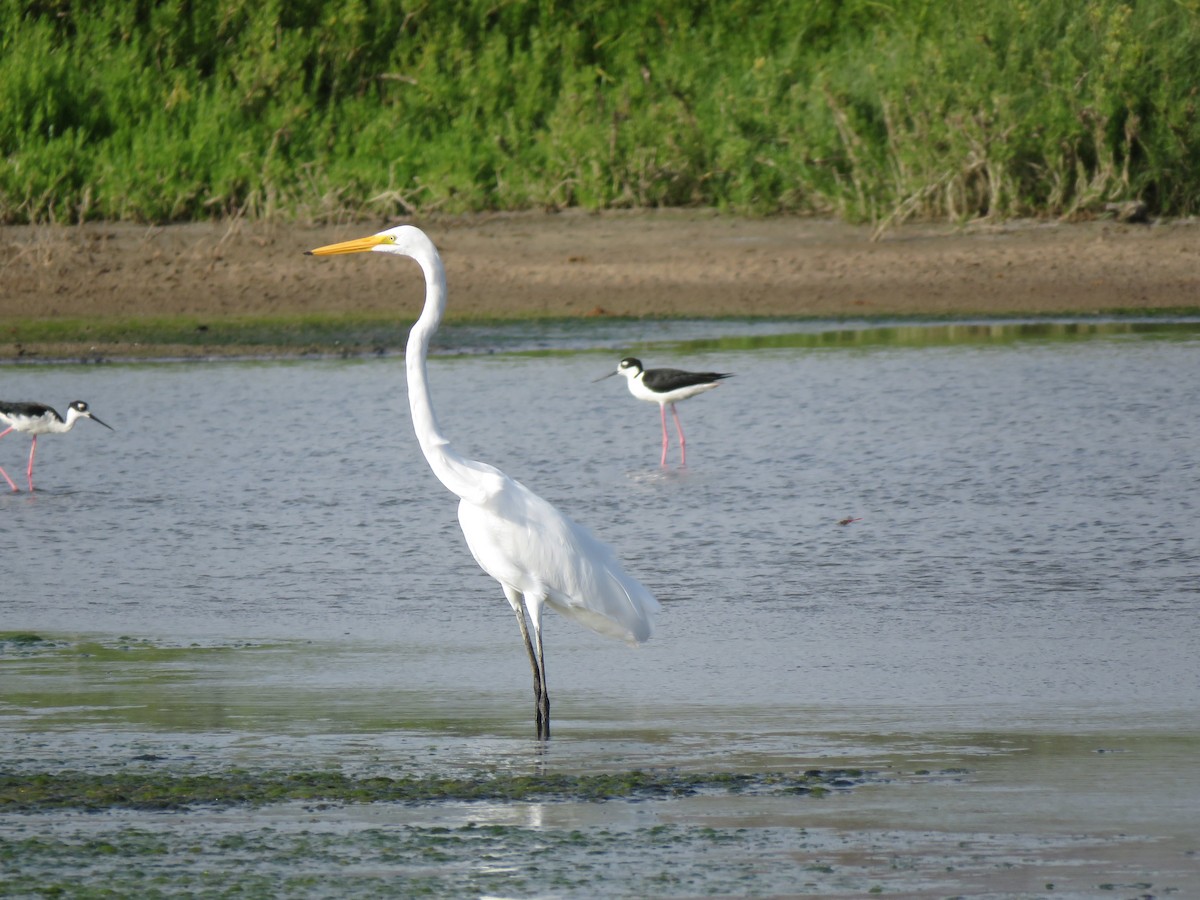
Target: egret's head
pixel 405 240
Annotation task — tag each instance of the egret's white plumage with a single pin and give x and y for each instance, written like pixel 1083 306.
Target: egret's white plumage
pixel 38 418
pixel 539 556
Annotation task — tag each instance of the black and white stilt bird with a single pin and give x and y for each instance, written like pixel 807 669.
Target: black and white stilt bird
pixel 37 418
pixel 666 387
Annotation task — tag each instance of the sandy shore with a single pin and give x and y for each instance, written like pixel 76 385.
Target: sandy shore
pixel 630 264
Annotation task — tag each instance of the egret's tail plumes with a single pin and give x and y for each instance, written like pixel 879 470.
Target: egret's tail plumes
pixel 526 543
pixel 610 602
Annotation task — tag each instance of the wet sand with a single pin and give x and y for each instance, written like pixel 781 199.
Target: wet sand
pixel 647 264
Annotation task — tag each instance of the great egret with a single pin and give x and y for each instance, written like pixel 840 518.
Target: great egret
pixel 666 387
pixel 37 418
pixel 539 556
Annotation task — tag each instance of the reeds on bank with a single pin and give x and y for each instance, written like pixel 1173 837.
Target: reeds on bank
pixel 867 109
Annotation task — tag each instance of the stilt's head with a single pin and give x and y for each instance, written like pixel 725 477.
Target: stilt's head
pixel 629 367
pixel 79 410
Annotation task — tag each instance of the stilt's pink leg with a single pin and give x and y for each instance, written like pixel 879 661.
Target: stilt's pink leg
pixel 662 409
pixel 29 471
pixel 2 472
pixel 679 431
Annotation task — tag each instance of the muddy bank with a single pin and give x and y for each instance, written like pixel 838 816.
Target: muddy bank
pixel 623 264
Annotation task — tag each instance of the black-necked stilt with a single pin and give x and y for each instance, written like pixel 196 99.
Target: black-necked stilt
pixel 540 557
pixel 666 387
pixel 37 418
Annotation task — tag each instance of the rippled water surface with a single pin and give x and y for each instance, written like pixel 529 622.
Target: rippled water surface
pixel 257 568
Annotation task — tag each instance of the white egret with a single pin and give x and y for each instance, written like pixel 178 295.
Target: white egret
pixel 666 387
pixel 539 556
pixel 37 418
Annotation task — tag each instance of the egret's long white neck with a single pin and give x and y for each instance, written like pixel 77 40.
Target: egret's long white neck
pixel 420 403
pixel 447 464
pixel 465 477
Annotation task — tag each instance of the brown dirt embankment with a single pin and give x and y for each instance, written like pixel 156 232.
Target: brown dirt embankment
pixel 576 264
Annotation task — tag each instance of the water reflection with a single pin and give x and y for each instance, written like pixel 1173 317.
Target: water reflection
pixel 691 336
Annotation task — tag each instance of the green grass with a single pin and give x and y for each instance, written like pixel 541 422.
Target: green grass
pixel 872 110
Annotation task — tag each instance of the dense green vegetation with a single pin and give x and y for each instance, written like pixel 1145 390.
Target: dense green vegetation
pixel 876 110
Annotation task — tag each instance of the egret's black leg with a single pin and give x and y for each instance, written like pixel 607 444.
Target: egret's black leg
pixel 544 702
pixel 538 689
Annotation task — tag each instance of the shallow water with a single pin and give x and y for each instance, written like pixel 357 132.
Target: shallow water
pixel 258 569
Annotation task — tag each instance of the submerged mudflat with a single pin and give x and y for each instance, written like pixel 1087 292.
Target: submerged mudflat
pixel 92 792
